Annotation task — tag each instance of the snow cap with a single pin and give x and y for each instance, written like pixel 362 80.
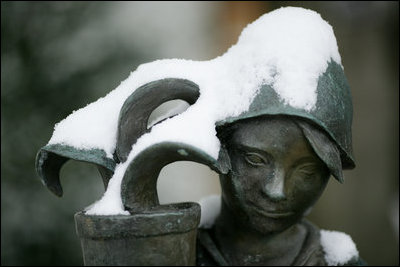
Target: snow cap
pixel 286 62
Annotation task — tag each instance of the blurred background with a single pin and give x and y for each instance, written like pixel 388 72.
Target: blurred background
pixel 57 57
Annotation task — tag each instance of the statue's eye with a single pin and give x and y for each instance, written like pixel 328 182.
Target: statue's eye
pixel 307 170
pixel 254 159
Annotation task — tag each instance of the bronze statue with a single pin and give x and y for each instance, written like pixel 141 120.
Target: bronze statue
pixel 276 176
pixel 274 161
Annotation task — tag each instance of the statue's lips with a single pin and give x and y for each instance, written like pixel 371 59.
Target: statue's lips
pixel 272 214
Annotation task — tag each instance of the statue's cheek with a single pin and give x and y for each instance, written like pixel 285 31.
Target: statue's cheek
pixel 304 192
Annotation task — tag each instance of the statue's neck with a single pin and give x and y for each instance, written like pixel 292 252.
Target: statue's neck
pixel 241 245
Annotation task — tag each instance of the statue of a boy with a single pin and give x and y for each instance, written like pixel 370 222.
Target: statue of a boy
pixel 280 165
pixel 272 116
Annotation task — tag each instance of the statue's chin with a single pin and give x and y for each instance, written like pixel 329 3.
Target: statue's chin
pixel 268 225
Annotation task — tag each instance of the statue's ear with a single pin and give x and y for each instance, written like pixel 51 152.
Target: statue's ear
pixel 224 161
pixel 51 158
pixel 326 149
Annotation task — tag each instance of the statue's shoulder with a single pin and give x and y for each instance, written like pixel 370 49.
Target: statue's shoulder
pixel 339 249
pixel 207 252
pixel 321 248
pixel 327 248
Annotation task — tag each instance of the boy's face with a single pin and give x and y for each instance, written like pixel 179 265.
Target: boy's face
pixel 275 176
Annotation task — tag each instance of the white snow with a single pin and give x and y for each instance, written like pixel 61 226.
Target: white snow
pixel 339 248
pixel 180 106
pixel 210 209
pixel 288 49
pixel 111 202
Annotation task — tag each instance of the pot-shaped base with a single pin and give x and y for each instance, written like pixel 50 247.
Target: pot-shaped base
pixel 163 235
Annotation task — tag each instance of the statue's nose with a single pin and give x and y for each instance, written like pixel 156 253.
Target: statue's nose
pixel 275 185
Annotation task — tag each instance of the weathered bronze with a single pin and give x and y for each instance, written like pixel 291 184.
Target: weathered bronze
pixel 275 177
pixel 274 163
pixel 133 120
pixel 333 112
pixel 159 236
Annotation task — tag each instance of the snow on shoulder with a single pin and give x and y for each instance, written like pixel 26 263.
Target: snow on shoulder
pixel 210 209
pixel 288 49
pixel 339 248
